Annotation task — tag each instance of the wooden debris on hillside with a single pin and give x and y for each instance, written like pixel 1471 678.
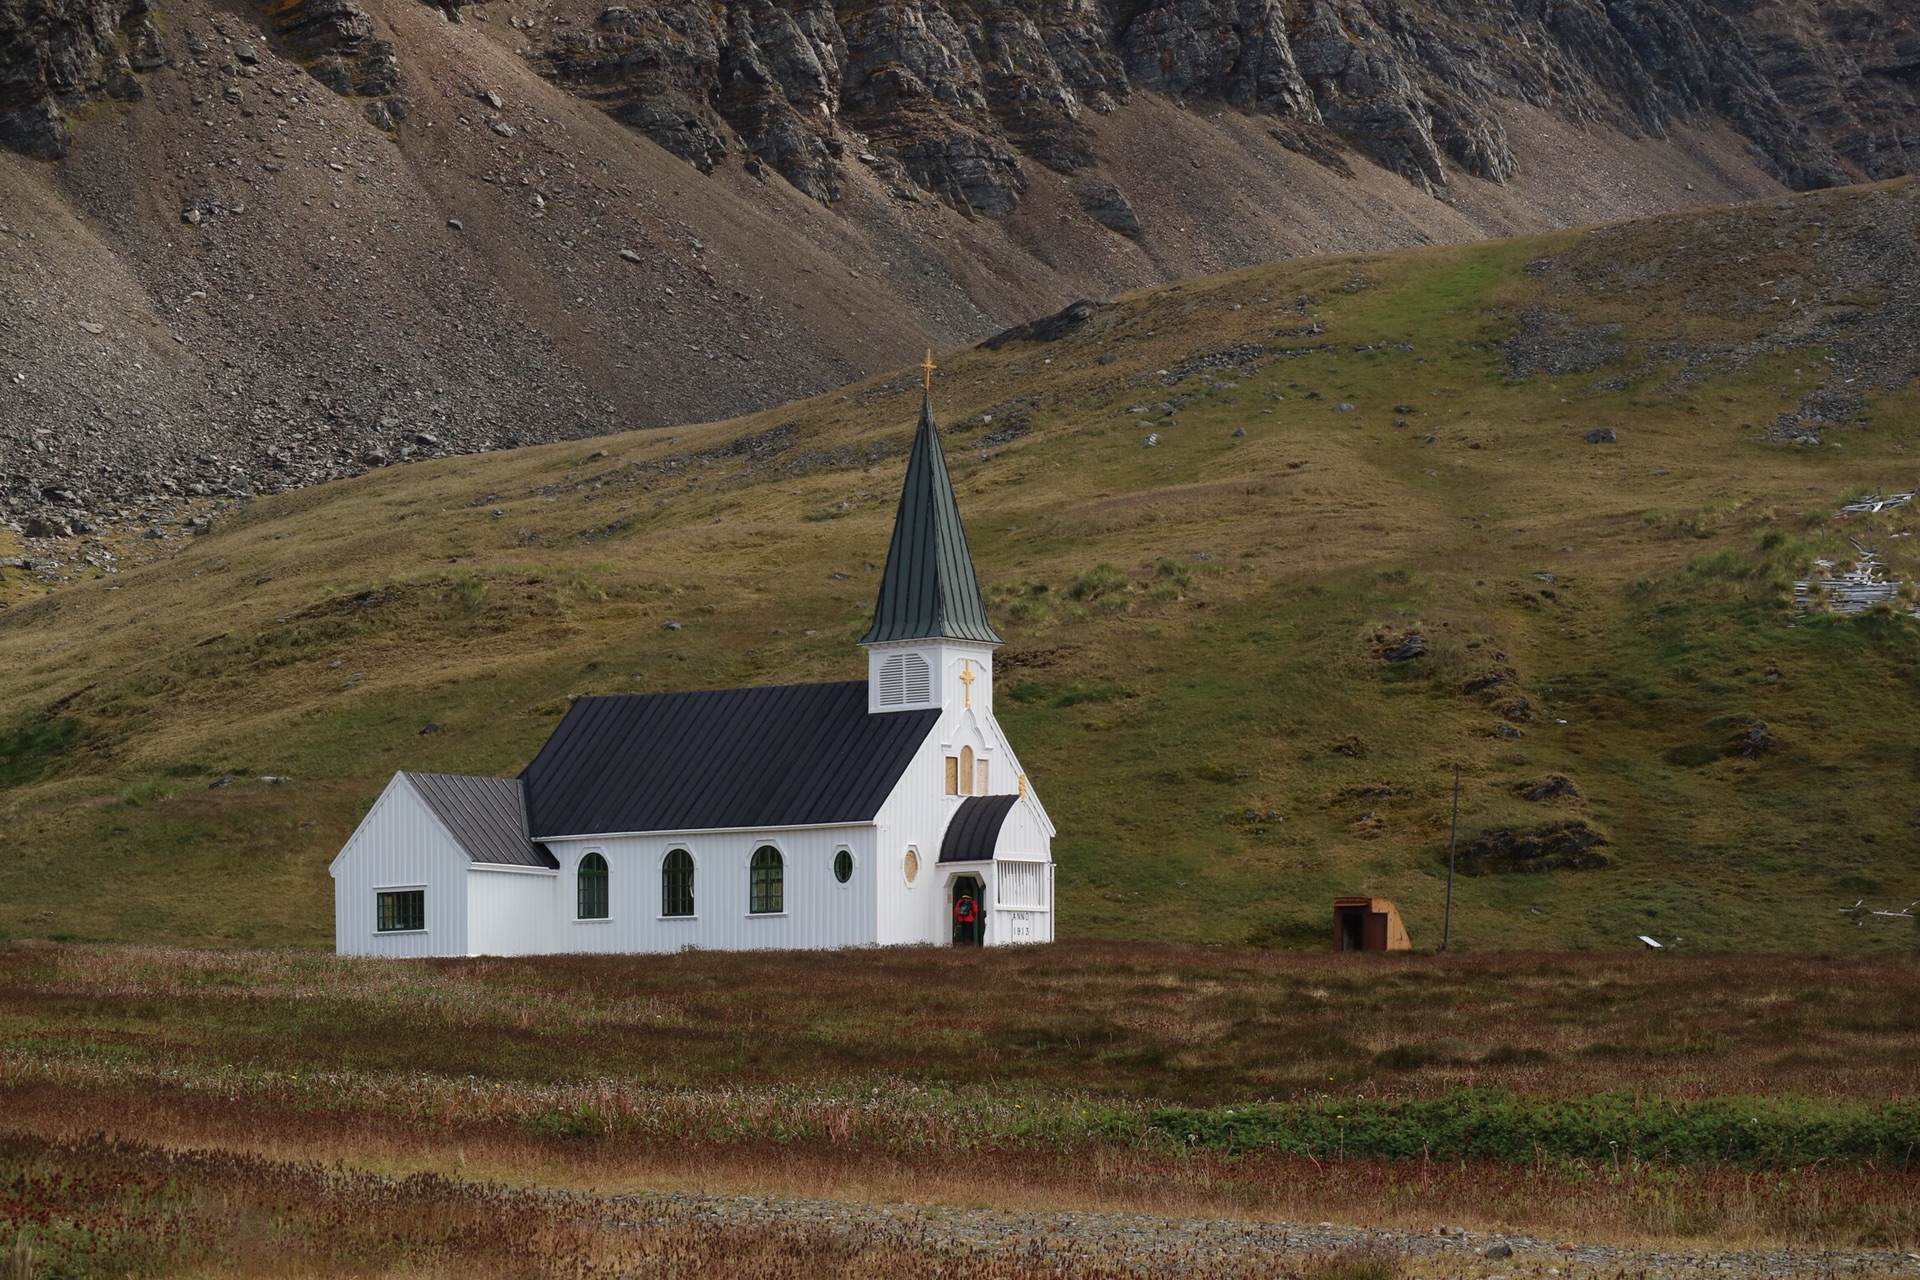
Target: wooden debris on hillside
pixel 1856 589
pixel 1874 504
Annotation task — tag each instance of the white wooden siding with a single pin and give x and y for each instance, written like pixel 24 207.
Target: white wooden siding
pixel 1023 877
pixel 892 684
pixel 916 815
pixel 400 844
pixel 817 910
pixel 509 910
pixel 1025 834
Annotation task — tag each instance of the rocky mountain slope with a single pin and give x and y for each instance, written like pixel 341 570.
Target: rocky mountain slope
pixel 953 96
pixel 250 245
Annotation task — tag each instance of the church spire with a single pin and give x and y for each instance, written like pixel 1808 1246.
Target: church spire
pixel 928 591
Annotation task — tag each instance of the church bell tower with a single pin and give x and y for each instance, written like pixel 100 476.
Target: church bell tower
pixel 930 644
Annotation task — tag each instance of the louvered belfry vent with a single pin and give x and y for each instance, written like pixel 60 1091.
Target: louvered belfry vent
pixel 928 591
pixel 919 678
pixel 905 680
pixel 893 685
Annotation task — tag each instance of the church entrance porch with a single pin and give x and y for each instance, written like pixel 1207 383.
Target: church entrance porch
pixel 968 902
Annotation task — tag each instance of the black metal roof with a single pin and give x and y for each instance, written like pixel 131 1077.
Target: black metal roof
pixel 487 817
pixel 975 828
pixel 928 591
pixel 782 756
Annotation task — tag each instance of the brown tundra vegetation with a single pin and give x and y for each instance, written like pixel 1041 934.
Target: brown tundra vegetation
pixel 169 1112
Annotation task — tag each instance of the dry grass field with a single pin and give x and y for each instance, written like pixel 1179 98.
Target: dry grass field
pixel 880 1076
pixel 1196 672
pixel 1182 1025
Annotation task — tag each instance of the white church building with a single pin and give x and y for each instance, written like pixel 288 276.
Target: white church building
pixel 873 812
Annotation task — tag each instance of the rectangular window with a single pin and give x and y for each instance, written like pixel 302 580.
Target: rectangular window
pixel 980 786
pixel 953 775
pixel 400 910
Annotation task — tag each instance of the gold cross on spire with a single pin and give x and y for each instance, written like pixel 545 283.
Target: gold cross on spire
pixel 967 678
pixel 928 366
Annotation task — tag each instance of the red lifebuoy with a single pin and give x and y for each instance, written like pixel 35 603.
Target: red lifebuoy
pixel 965 909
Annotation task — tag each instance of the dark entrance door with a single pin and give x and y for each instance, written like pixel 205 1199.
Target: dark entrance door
pixel 969 912
pixel 1350 927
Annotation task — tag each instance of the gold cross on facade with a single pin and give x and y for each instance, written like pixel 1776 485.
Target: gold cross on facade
pixel 928 366
pixel 967 678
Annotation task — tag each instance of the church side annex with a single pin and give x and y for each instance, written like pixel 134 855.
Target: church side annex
pixel 886 811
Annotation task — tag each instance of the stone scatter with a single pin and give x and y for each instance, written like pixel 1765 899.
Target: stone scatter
pixel 1149 1245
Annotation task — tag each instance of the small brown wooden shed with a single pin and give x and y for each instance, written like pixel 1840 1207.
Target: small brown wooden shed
pixel 1368 924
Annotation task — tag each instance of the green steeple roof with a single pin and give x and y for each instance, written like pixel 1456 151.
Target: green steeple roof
pixel 928 591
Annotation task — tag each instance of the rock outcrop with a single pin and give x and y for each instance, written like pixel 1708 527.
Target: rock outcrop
pixel 956 93
pixel 1850 72
pixel 953 94
pixel 56 55
pixel 1565 846
pixel 337 43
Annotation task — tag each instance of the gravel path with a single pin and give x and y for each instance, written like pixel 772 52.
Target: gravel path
pixel 1152 1245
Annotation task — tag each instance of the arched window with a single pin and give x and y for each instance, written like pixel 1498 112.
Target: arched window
pixel 966 771
pixel 676 883
pixel 843 866
pixel 592 881
pixel 766 880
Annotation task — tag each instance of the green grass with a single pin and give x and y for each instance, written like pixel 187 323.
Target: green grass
pixel 1195 630
pixel 1606 1128
pixel 29 751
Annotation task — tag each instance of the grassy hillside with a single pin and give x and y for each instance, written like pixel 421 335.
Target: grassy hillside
pixel 1199 671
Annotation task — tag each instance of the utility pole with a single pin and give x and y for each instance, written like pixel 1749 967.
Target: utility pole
pixel 1453 836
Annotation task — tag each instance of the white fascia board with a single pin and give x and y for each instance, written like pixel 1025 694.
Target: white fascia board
pixel 399 780
pixel 1031 797
pixel 512 868
pixel 689 832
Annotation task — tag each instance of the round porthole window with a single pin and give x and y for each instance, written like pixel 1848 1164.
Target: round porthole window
pixel 843 866
pixel 912 865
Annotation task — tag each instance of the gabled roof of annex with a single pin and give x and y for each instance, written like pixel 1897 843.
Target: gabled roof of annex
pixel 487 817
